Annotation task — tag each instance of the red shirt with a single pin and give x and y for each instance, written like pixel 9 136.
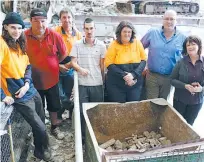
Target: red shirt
pixel 44 57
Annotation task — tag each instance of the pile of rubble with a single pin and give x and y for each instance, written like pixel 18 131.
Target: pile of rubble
pixel 138 143
pixel 95 8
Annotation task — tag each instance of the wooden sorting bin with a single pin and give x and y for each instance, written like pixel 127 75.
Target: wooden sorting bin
pixel 105 121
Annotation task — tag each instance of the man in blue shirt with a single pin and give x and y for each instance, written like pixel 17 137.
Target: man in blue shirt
pixel 165 45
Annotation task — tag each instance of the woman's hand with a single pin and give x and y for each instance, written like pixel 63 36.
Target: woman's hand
pixel 128 78
pixel 190 88
pixel 8 100
pixel 197 87
pixel 131 83
pixel 22 91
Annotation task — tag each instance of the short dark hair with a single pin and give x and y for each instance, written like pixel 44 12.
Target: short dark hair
pixel 192 39
pixel 88 20
pixel 120 28
pixel 67 11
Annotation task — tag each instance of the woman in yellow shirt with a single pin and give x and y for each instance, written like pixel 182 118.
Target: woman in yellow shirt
pixel 16 86
pixel 125 60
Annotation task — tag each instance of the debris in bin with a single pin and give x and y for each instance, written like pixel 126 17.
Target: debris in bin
pixel 118 145
pixel 139 143
pixel 108 143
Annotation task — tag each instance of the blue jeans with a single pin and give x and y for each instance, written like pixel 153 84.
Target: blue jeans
pixel 66 84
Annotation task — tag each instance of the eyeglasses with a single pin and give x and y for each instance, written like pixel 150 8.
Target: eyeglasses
pixel 169 19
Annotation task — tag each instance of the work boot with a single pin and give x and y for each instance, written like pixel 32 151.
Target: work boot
pixel 57 133
pixel 47 155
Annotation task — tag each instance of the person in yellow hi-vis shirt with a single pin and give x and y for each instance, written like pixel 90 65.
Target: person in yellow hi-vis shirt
pixel 125 60
pixel 17 88
pixel 70 35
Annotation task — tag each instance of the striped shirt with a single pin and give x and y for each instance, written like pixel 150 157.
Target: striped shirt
pixel 88 57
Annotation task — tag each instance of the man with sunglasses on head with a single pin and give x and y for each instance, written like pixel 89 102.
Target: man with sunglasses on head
pixel 70 35
pixel 46 49
pixel 165 47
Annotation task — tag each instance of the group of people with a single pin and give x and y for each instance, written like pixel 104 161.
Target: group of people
pixel 37 68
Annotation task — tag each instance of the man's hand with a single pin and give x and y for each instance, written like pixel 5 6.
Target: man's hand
pixel 8 100
pixel 145 71
pixel 63 68
pixel 83 71
pixel 22 91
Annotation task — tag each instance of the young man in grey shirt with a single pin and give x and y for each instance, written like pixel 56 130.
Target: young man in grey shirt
pixel 88 60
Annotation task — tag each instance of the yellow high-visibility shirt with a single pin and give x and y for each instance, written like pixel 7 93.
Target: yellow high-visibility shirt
pixel 69 39
pixel 125 54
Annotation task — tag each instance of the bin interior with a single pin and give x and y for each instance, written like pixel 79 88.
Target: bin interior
pixel 119 121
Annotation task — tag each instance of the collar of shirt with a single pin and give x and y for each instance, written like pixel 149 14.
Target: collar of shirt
pixel 162 31
pixel 187 57
pixel 73 31
pixel 47 32
pixel 95 41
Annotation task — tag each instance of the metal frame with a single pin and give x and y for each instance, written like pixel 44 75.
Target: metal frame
pixel 77 122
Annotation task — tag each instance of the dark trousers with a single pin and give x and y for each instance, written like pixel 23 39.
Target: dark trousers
pixel 52 98
pixel 189 112
pixel 89 94
pixel 66 84
pixel 124 93
pixel 33 112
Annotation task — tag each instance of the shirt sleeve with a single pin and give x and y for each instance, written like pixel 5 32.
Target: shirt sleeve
pixel 143 55
pixel 74 51
pixel 175 77
pixel 109 61
pixel 79 36
pixel 110 55
pixel 61 47
pixel 2 53
pixel 146 39
pixel 103 50
pixel 27 76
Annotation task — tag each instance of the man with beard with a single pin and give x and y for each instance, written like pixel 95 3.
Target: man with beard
pixel 88 60
pixel 165 47
pixel 46 49
pixel 70 35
